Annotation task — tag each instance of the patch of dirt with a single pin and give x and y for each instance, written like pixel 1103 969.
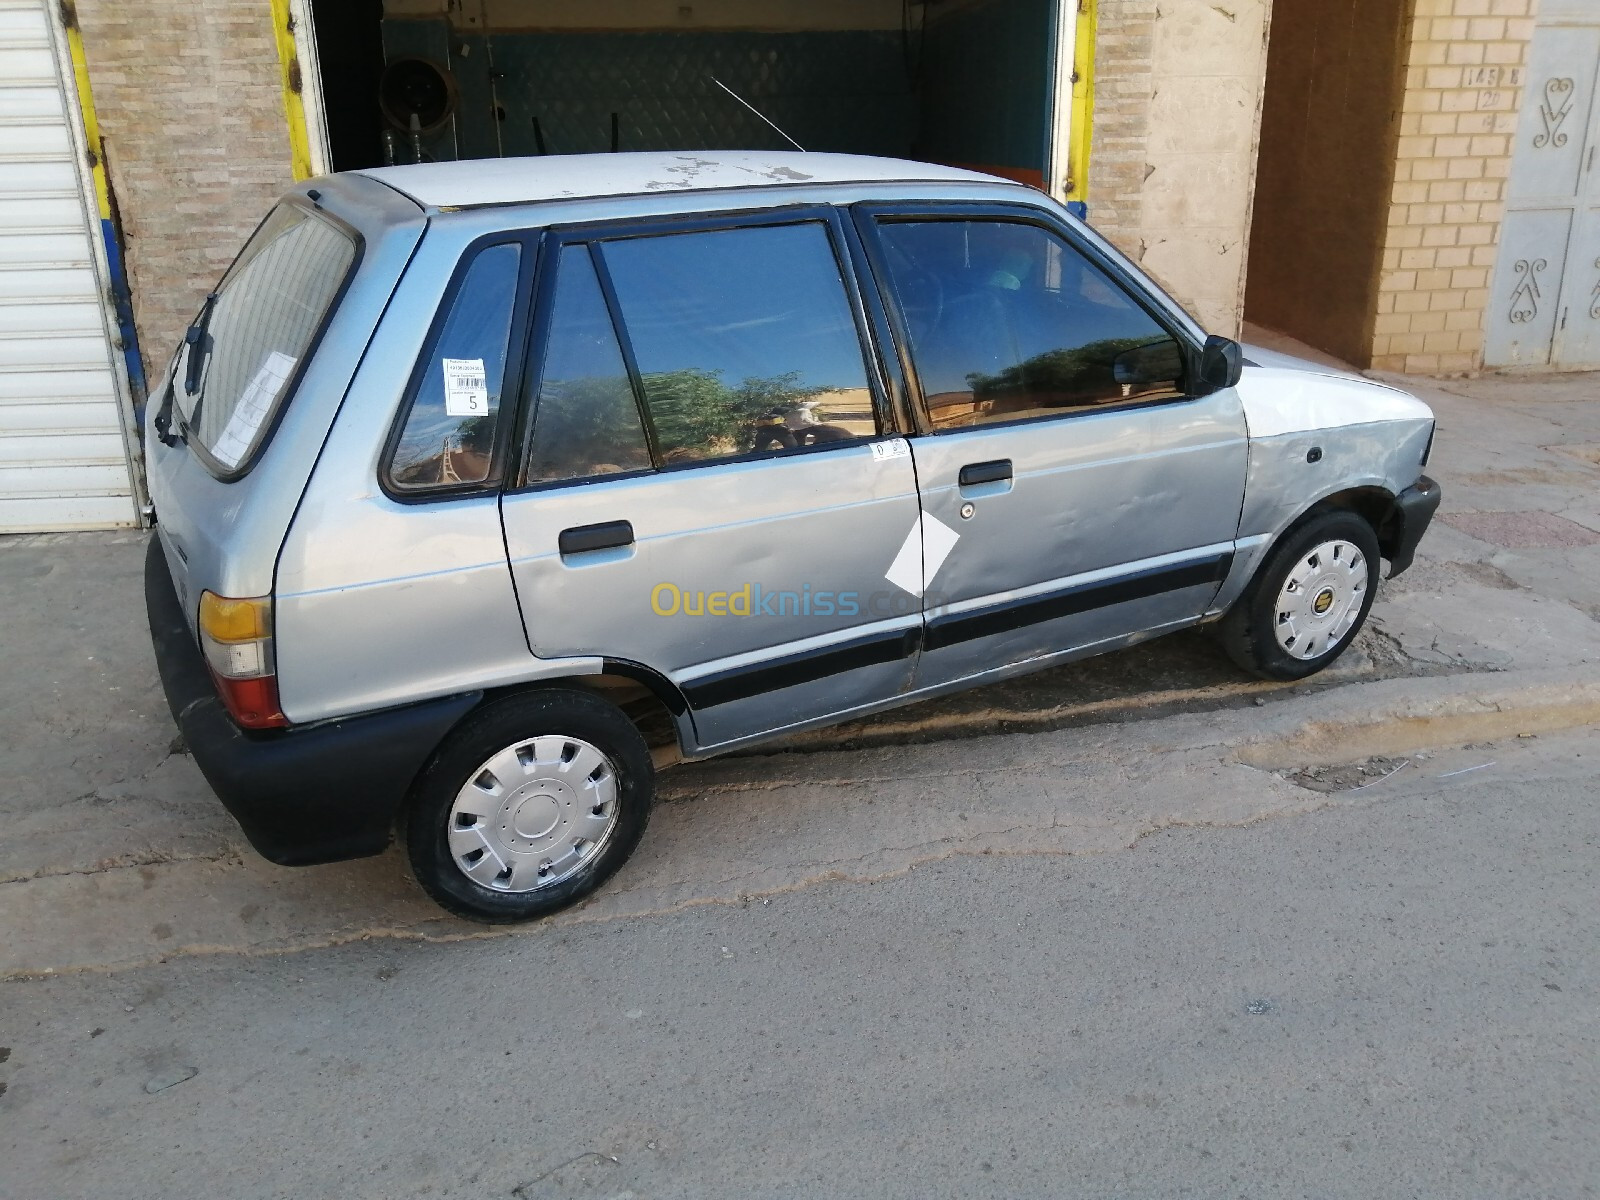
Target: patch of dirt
pixel 1583 453
pixel 1347 777
pixel 1488 575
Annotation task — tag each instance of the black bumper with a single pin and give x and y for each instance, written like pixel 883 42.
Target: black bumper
pixel 315 794
pixel 1413 510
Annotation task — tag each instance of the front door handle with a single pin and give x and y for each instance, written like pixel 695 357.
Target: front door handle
pixel 608 536
pixel 985 472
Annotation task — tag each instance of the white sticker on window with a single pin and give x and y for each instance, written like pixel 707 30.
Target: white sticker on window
pixel 893 448
pixel 466 393
pixel 255 405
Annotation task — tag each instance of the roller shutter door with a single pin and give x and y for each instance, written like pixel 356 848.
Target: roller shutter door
pixel 63 444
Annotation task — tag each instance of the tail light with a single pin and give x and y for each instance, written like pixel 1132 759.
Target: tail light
pixel 236 636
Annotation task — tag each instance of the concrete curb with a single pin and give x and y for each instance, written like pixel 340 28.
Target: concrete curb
pixel 1400 716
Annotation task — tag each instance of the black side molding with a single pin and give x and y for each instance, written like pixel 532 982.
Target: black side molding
pixel 584 538
pixel 806 667
pixel 953 628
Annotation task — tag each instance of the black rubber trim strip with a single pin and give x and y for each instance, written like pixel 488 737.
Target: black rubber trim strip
pixel 743 682
pixel 660 686
pixel 954 628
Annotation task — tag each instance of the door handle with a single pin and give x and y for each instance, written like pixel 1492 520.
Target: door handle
pixel 985 472
pixel 607 536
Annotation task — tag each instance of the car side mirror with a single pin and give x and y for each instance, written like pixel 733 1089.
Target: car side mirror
pixel 1221 363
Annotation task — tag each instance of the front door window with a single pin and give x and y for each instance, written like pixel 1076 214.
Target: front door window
pixel 1007 322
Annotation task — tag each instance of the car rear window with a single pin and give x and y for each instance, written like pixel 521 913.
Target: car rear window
pixel 267 312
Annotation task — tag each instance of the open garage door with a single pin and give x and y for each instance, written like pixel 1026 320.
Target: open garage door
pixel 64 411
pixel 963 82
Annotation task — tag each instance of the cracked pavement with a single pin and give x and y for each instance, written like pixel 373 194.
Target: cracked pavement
pixel 1377 990
pixel 860 961
pixel 114 850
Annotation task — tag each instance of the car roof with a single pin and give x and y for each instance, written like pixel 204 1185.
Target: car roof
pixel 474 182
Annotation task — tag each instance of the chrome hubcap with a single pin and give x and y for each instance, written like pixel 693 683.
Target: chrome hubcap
pixel 533 814
pixel 1321 599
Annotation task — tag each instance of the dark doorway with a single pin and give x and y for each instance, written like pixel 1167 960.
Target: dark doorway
pixel 1329 122
pixel 350 48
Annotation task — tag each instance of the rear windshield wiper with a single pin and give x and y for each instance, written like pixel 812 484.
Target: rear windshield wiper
pixel 199 343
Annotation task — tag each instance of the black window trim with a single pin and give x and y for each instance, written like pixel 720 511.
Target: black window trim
pixel 595 234
pixel 510 386
pixel 870 215
pixel 244 466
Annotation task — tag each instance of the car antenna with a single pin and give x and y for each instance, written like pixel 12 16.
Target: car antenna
pixel 758 113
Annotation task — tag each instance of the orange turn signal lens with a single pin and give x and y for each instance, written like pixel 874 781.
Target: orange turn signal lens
pixel 224 620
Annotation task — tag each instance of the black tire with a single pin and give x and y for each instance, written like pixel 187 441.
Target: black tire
pixel 1248 631
pixel 553 712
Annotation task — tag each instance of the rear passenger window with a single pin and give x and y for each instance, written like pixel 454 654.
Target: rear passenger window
pixel 586 421
pixel 449 435
pixel 744 339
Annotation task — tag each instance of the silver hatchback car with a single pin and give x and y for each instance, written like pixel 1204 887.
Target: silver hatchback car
pixel 466 471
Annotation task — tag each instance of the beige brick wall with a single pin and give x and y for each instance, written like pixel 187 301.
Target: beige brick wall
pixel 197 146
pixel 1178 87
pixel 1462 93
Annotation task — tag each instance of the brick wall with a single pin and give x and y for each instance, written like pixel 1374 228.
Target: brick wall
pixel 196 143
pixel 1462 93
pixel 1178 87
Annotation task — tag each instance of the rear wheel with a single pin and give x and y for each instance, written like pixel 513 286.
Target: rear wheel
pixel 531 805
pixel 1308 602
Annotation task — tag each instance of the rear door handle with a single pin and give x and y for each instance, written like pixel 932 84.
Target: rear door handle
pixel 607 536
pixel 985 472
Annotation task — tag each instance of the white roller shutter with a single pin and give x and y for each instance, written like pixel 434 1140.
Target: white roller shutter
pixel 63 436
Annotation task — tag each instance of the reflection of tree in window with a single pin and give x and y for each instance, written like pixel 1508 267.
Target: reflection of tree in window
pixel 1007 320
pixel 1078 376
pixel 744 339
pixel 698 416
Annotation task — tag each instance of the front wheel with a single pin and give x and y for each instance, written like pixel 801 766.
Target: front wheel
pixel 528 807
pixel 1308 602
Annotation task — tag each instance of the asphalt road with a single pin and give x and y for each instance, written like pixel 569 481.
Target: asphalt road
pixel 1391 995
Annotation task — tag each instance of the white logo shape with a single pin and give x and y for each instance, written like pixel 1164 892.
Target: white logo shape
pixel 922 554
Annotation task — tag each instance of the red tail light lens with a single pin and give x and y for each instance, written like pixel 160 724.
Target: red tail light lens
pixel 236 636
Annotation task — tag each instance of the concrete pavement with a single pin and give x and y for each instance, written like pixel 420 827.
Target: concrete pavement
pixel 1390 995
pixel 114 850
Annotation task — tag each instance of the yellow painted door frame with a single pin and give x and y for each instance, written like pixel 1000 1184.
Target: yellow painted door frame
pixel 300 77
pixel 1072 101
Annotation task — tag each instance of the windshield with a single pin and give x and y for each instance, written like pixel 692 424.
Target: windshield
pixel 251 338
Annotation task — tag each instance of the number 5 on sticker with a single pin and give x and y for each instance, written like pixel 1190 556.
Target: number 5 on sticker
pixel 466 393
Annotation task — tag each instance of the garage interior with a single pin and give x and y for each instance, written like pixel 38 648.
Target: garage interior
pixel 962 82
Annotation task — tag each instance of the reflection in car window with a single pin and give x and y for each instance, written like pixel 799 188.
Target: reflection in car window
pixel 587 421
pixel 744 339
pixel 1008 322
pixel 449 434
pixel 268 308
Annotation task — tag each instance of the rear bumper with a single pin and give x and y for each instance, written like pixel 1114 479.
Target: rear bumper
pixel 1413 511
pixel 315 794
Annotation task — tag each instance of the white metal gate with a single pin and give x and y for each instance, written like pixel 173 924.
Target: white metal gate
pixel 1545 307
pixel 64 445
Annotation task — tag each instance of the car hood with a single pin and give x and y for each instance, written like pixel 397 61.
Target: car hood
pixel 1283 394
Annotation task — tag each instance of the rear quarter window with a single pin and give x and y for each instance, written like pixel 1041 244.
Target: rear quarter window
pixel 268 311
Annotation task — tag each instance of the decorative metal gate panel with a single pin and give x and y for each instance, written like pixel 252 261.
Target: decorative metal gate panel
pixel 1545 307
